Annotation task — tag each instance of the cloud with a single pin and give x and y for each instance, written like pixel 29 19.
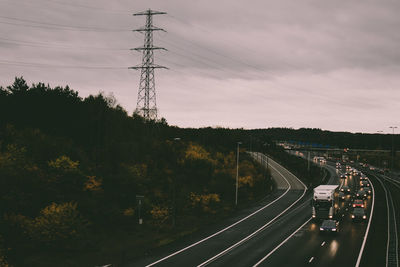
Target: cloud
pixel 311 63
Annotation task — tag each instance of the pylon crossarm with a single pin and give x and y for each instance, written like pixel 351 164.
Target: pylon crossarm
pixel 148 67
pixel 148 48
pixel 149 29
pixel 149 12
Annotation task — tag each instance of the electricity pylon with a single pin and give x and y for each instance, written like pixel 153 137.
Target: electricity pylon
pixel 146 102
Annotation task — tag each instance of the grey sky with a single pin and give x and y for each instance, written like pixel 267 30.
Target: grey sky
pixel 254 64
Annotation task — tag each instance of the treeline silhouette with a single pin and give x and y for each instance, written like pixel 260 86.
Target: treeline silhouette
pixel 72 172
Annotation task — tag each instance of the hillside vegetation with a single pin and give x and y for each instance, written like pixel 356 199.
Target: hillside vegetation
pixel 71 170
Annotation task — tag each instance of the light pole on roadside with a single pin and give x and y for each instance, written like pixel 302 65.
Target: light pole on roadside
pixel 237 172
pixel 392 127
pixel 176 139
pixel 140 198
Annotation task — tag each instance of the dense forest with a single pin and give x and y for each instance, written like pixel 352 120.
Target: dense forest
pixel 73 170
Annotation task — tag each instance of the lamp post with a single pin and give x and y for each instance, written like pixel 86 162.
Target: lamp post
pixel 393 127
pixel 176 139
pixel 237 172
pixel 139 198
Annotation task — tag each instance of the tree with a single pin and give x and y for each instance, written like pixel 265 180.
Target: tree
pixel 57 223
pixel 19 85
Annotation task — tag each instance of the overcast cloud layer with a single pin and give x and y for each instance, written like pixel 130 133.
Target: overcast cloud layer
pixel 253 64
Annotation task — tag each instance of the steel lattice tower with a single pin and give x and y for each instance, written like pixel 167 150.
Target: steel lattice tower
pixel 146 101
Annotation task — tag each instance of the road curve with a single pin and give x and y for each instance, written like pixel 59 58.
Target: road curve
pixel 308 247
pixel 234 232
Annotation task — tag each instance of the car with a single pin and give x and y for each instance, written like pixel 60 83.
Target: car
pixel 358 203
pixel 364 183
pixel 363 177
pixel 343 176
pixel 366 189
pixel 358 214
pixel 345 189
pixel 329 226
pixel 342 196
pixel 361 194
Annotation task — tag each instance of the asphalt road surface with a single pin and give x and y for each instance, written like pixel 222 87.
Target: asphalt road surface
pixel 278 232
pixel 236 232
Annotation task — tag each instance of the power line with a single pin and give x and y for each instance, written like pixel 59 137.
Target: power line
pixel 92 8
pixel 46 25
pixel 54 45
pixel 44 65
pixel 275 73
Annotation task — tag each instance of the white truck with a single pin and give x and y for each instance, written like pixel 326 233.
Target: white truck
pixel 325 202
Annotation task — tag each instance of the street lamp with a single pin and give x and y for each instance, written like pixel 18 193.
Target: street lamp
pixel 237 172
pixel 139 198
pixel 392 127
pixel 176 139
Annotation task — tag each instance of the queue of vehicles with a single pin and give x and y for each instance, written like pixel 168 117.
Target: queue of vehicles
pixel 326 198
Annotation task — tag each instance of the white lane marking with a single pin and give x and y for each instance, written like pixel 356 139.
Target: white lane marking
pixel 251 235
pixel 311 259
pixel 390 179
pixel 395 230
pixel 290 173
pixel 226 228
pixel 323 243
pixel 283 242
pixel 369 224
pixel 395 226
pixel 388 222
pixel 388 219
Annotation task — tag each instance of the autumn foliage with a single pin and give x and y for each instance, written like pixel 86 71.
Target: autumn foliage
pixel 71 170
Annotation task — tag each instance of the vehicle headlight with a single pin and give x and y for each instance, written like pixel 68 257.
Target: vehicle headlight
pixel 364 217
pixel 362 206
pixel 354 206
pixel 330 216
pixel 352 216
pixel 313 216
pixel 321 229
pixel 334 229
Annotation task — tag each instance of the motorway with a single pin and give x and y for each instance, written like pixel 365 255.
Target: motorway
pixel 278 232
pixel 311 248
pixel 382 247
